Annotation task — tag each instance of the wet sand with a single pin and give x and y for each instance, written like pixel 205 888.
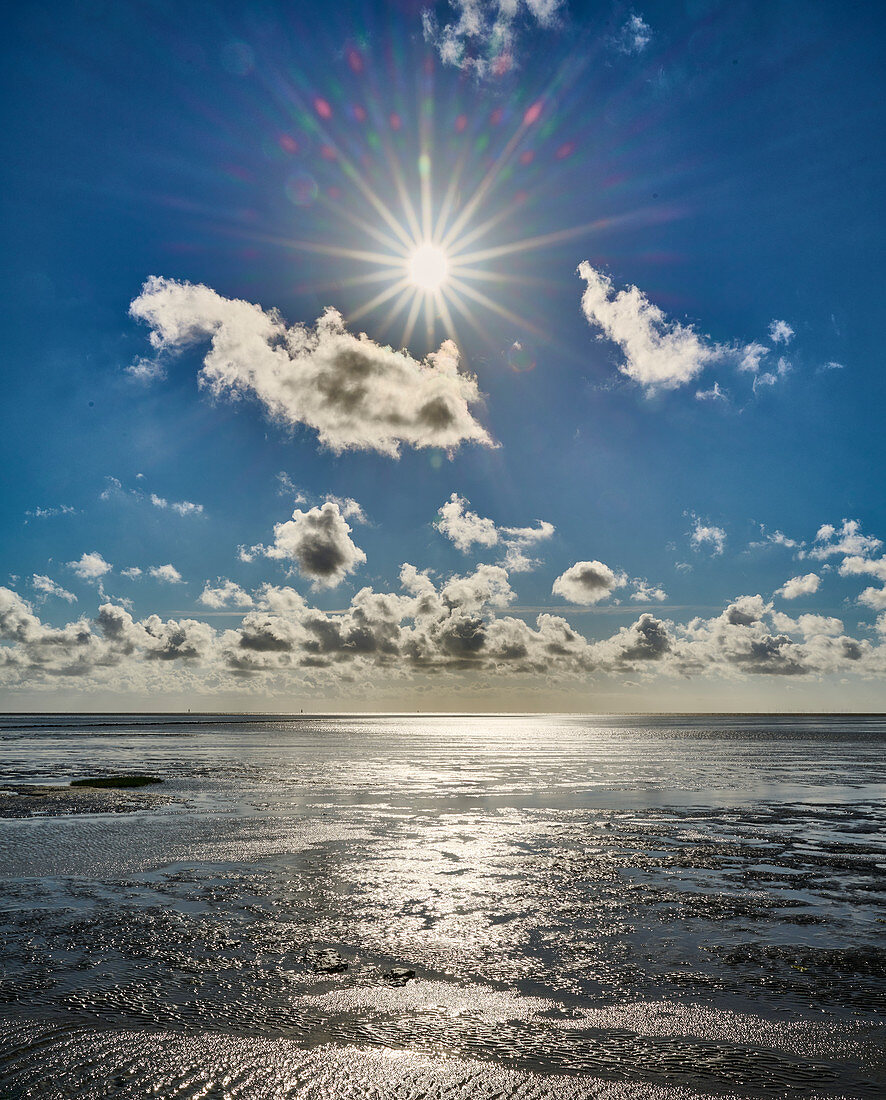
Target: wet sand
pixel 591 908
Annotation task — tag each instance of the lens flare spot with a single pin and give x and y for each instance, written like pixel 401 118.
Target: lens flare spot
pixel 428 267
pixel 520 357
pixel 301 189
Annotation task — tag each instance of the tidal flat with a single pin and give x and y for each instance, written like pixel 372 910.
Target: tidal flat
pixel 443 906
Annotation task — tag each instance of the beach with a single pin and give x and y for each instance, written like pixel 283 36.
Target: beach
pixel 405 906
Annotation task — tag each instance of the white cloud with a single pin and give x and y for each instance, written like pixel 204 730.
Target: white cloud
pixel 147 370
pixel 183 507
pixel 225 594
pixel 776 538
pixel 807 625
pixel 49 588
pixel 800 586
pixel 166 573
pixel 132 572
pixel 713 394
pixel 874 597
pixel 780 332
pixel 647 593
pixel 770 378
pixel 318 542
pixel 856 565
pixel 706 534
pixel 446 627
pixel 847 540
pixel 658 353
pixel 90 567
pixel 483 37
pixel 49 513
pixel 750 357
pixel 465 528
pixel 634 36
pixel 587 582
pixel 353 392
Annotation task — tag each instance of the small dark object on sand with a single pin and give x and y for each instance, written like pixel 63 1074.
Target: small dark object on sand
pixel 326 961
pixel 398 975
pixel 117 782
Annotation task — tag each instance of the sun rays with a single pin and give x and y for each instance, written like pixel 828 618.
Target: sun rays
pixel 434 248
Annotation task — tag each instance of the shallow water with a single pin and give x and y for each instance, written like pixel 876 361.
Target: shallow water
pixel 607 906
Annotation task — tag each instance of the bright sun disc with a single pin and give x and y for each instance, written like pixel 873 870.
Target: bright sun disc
pixel 428 267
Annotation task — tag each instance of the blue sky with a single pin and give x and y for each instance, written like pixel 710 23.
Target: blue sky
pixel 652 412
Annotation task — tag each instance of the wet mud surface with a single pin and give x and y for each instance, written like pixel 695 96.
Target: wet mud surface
pixel 587 910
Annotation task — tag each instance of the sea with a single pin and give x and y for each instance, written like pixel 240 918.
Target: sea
pixel 638 907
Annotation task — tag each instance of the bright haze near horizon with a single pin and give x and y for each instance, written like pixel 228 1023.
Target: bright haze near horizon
pixel 453 357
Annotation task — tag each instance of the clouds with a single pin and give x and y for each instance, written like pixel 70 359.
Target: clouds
pixel 466 528
pixel 452 626
pixel 658 353
pixel 115 490
pixel 318 542
pixel 168 574
pixel 90 567
pixel 780 332
pixel 634 35
pixel 225 594
pixel 48 587
pixel 707 535
pixel 663 354
pixel 182 507
pixel 481 39
pixel 847 540
pixel 353 392
pixel 806 585
pixel 587 582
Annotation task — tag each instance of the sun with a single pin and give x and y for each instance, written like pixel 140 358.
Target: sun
pixel 428 267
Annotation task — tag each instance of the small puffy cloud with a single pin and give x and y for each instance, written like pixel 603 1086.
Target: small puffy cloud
pixel 353 392
pixel 658 353
pixel 587 582
pixel 874 597
pixel 780 332
pixel 147 370
pixel 706 534
pixel 482 37
pixel 132 572
pixel 90 567
pixel 807 625
pixel 166 573
pixel 318 542
pixel 857 565
pixel 644 592
pixel 634 36
pixel 466 528
pixel 225 594
pixel 799 586
pixel 847 540
pixel 750 356
pixel 832 365
pixel 48 587
pixel 182 507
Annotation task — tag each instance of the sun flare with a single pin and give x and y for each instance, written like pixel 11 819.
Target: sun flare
pixel 428 267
